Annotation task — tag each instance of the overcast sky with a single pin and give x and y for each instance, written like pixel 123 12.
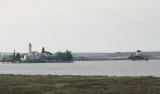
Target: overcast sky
pixel 80 25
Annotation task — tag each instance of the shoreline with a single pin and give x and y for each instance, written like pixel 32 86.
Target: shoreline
pixel 77 75
pixel 78 61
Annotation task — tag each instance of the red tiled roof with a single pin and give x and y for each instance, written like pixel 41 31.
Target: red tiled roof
pixel 32 52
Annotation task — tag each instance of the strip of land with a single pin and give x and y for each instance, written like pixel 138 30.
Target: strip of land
pixel 38 84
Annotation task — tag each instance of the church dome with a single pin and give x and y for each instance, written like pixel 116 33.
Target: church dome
pixel 138 50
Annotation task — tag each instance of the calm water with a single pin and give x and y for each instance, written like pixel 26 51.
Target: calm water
pixel 108 68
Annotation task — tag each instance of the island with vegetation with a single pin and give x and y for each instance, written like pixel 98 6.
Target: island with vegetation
pixel 36 57
pixel 139 56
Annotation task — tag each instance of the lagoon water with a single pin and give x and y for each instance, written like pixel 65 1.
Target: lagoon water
pixel 107 68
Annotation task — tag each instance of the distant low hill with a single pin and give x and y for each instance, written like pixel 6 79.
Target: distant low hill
pixel 116 54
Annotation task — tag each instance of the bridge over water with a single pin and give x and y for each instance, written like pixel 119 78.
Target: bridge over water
pixel 121 59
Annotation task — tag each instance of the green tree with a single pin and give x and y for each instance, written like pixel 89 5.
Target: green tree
pixel 22 56
pixel 4 59
pixel 10 57
pixel 14 56
pixel 18 57
pixel 58 55
pixel 64 56
pixel 43 50
pixel 69 56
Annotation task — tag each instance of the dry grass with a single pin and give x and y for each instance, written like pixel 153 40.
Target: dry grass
pixel 18 84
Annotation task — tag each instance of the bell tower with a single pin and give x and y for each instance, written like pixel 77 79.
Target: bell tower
pixel 30 48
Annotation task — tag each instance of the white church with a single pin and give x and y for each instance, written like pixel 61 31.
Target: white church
pixel 38 57
pixel 32 55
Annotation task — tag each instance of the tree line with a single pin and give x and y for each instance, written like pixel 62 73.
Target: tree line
pixel 64 56
pixel 14 57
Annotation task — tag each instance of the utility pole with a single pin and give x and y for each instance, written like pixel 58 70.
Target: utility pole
pixel 14 56
pixel 49 57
